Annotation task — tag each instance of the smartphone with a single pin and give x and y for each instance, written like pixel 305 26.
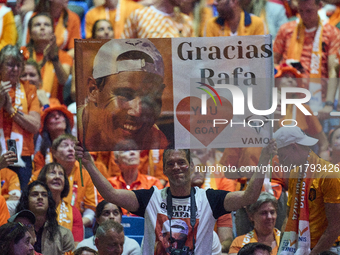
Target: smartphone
pixel 12 146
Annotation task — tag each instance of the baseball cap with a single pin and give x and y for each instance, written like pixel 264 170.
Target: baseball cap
pixel 24 214
pixel 107 60
pixel 287 135
pixel 177 226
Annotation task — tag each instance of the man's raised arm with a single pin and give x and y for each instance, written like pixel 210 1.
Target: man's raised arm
pixel 123 198
pixel 238 199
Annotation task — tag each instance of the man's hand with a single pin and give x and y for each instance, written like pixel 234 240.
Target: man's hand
pixel 7 159
pixel 83 155
pixel 268 152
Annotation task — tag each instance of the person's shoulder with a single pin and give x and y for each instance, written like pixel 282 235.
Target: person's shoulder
pixel 330 31
pixel 131 242
pixel 255 19
pixel 86 242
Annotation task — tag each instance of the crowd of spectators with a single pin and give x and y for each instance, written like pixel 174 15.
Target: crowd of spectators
pixel 51 207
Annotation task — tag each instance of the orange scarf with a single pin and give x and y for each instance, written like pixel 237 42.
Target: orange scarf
pixel 19 101
pixel 65 215
pixel 294 55
pixel 335 18
pixel 296 238
pixel 47 73
pixel 62 31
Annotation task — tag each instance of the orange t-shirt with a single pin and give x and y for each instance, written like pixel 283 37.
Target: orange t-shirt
pixel 4 215
pixel 325 190
pixel 251 237
pixel 85 197
pixel 9 183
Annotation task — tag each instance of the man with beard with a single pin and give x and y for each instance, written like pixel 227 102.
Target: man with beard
pixel 232 21
pixel 125 98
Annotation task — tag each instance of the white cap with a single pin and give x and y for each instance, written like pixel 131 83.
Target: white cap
pixel 148 58
pixel 177 226
pixel 287 135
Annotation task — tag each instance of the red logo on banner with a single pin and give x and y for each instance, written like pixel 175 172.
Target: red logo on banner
pixel 188 113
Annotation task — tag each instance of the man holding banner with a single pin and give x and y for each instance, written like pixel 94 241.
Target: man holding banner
pixel 124 98
pixel 313 196
pixel 197 207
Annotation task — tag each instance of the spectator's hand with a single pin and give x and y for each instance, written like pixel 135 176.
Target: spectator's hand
pixel 51 50
pixel 267 152
pixel 8 104
pixel 5 87
pixel 8 158
pixel 83 155
pixel 324 112
pixel 43 99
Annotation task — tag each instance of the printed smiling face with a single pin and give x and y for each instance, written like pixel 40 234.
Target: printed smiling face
pixel 130 103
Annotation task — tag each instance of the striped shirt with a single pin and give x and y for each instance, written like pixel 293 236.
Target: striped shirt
pixel 149 22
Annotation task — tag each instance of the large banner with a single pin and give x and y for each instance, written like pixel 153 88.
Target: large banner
pixel 177 93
